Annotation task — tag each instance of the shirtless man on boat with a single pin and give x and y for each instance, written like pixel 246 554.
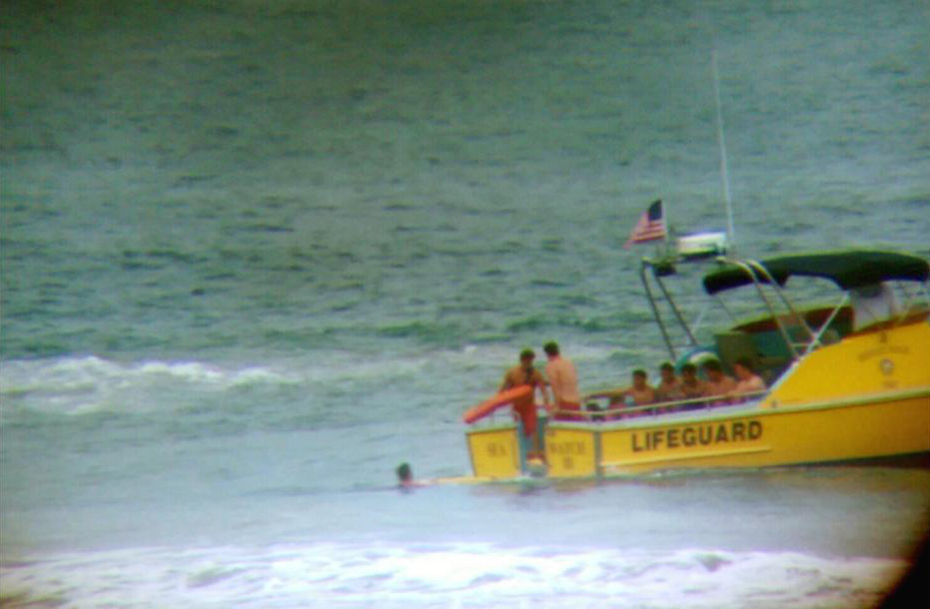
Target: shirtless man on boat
pixel 718 383
pixel 525 374
pixel 669 389
pixel 563 379
pixel 747 381
pixel 640 393
pixel 691 386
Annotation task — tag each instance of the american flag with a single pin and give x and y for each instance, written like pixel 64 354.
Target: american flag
pixel 651 225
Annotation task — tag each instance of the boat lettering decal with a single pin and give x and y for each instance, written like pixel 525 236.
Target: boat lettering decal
pixel 568 448
pixel 497 449
pixel 884 350
pixel 696 435
pixel 567 451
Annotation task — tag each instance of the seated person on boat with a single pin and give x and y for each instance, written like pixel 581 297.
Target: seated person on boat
pixel 748 382
pixel 669 389
pixel 693 387
pixel 640 393
pixel 718 383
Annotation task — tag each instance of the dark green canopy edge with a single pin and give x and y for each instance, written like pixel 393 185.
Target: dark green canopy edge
pixel 848 270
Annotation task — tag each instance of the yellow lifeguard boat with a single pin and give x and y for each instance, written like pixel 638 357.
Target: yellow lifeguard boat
pixel 847 383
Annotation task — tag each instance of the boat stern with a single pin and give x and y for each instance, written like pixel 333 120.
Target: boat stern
pixel 495 452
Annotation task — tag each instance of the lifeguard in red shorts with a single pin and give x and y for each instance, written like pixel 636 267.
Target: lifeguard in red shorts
pixel 526 374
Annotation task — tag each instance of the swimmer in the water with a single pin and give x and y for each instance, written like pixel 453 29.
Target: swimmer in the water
pixel 405 477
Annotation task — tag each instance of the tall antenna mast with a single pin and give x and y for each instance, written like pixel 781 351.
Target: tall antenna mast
pixel 724 177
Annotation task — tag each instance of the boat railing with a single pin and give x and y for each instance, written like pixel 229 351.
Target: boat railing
pixel 823 332
pixel 630 412
pixel 658 408
pixel 759 275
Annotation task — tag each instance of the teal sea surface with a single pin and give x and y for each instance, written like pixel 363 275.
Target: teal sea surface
pixel 253 255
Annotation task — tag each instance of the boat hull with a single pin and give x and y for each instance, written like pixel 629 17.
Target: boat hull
pixel 884 428
pixel 895 426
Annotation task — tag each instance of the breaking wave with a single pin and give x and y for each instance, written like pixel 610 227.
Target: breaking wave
pixel 79 385
pixel 90 384
pixel 446 575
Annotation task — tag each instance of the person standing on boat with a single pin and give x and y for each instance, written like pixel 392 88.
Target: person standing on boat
pixel 563 379
pixel 718 383
pixel 747 381
pixel 526 374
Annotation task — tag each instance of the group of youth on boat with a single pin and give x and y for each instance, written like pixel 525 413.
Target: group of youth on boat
pixel 689 391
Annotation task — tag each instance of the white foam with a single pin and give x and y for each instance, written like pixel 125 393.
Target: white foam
pixel 78 385
pixel 74 386
pixel 448 575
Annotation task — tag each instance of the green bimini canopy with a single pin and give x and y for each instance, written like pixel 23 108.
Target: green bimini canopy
pixel 848 270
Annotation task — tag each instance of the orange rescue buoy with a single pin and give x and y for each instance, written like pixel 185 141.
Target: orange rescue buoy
pixel 491 404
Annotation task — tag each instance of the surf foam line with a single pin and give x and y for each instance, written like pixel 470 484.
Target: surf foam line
pixel 83 372
pixel 88 384
pixel 446 575
pixel 78 385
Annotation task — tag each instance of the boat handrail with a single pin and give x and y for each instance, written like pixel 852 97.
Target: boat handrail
pixel 655 266
pixel 658 408
pixel 655 308
pixel 798 318
pixel 751 270
pixel 818 338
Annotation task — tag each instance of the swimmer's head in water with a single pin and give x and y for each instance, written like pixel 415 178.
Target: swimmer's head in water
pixel 404 473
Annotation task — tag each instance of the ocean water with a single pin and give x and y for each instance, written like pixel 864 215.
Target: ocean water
pixel 253 255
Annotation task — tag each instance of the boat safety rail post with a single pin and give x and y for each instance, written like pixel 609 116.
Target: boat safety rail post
pixel 652 304
pixel 750 271
pixel 675 311
pixel 799 319
pixel 818 339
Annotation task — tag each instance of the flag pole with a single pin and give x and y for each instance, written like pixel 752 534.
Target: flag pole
pixel 724 177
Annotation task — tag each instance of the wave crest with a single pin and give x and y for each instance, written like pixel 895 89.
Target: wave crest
pixel 89 384
pixel 474 575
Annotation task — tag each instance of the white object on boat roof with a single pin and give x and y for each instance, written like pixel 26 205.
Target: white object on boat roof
pixel 701 245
